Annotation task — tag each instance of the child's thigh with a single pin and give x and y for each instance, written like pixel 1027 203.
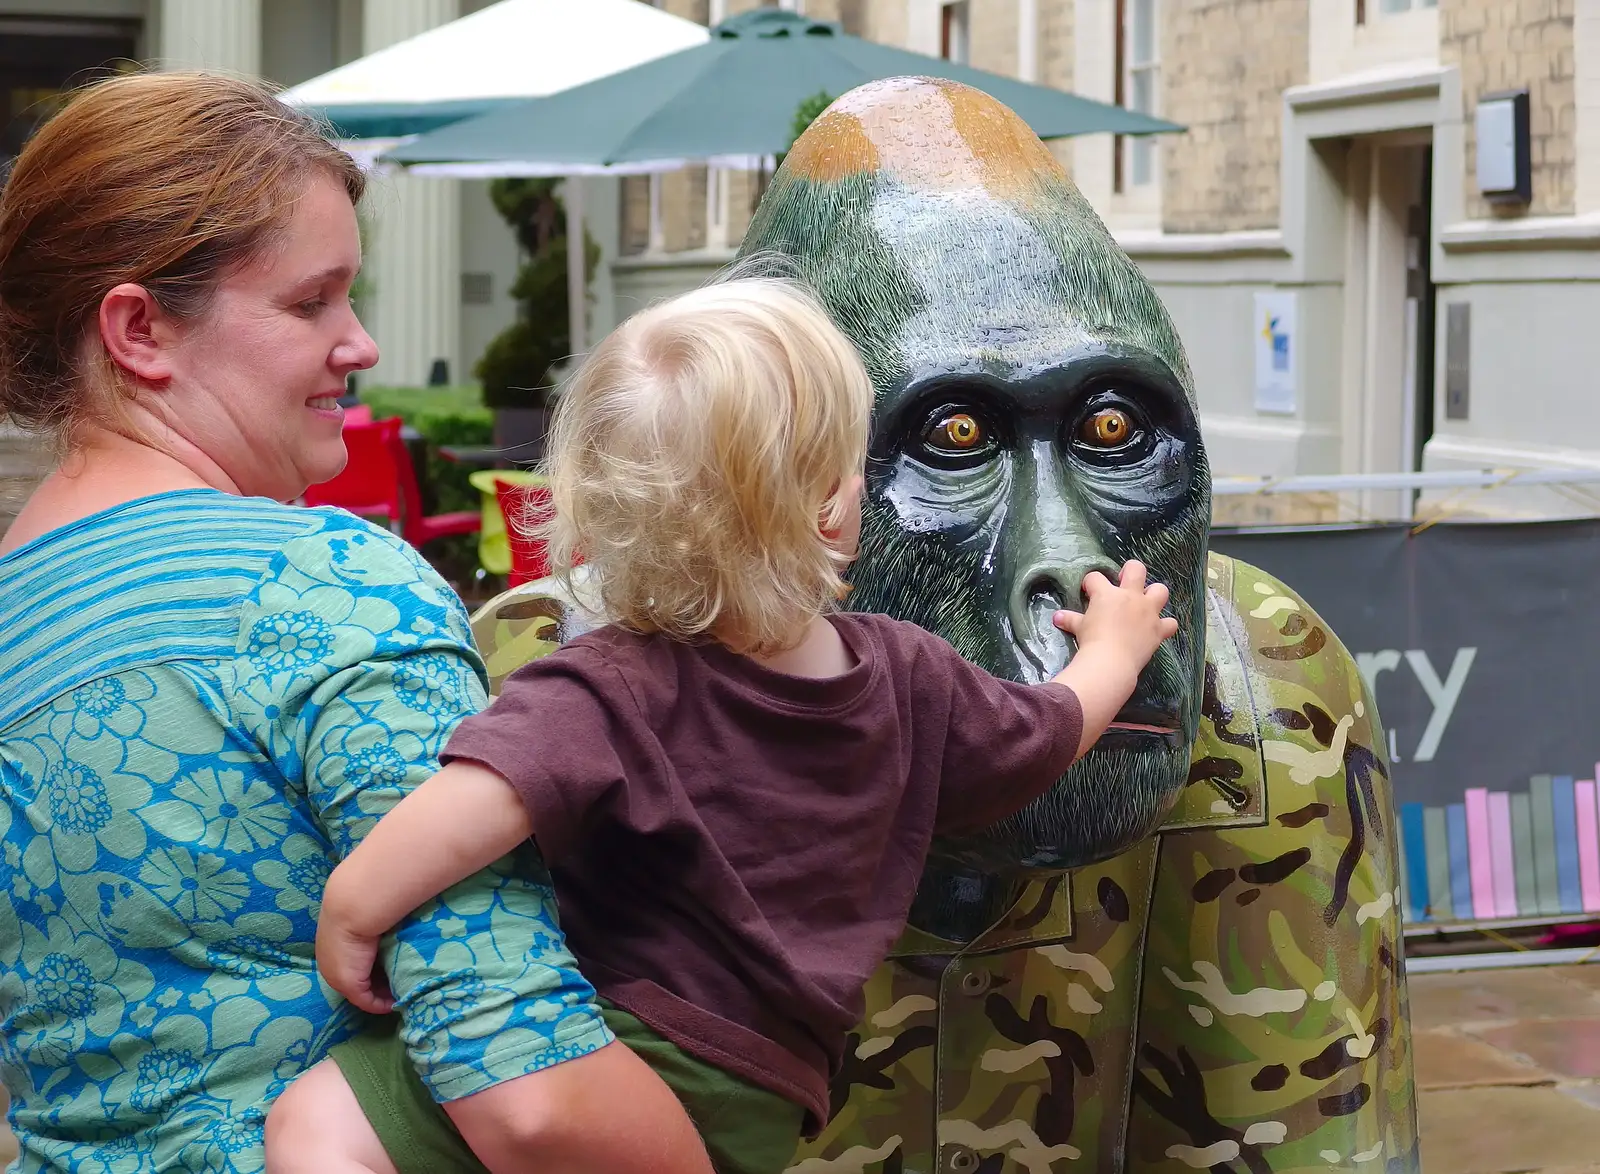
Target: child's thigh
pixel 317 1126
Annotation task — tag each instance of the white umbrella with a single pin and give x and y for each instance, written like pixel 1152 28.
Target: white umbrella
pixel 512 50
pixel 500 55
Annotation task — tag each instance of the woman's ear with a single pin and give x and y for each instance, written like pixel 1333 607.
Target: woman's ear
pixel 137 334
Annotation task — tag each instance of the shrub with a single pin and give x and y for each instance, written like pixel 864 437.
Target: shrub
pixel 515 367
pixel 443 415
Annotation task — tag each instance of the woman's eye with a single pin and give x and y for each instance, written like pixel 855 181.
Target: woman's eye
pixel 955 433
pixel 312 307
pixel 1107 428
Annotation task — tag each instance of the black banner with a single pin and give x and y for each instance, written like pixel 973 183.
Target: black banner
pixel 1482 641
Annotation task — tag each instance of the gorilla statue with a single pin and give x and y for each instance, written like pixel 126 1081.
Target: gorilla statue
pixel 1187 955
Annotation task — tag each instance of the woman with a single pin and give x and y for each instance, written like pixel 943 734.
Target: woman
pixel 207 697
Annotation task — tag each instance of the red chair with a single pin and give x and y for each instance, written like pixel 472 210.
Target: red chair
pixel 379 480
pixel 520 505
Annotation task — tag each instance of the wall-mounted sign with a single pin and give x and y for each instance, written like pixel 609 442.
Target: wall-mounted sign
pixel 1275 345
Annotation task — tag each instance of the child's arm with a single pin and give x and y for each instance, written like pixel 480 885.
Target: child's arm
pixel 1117 634
pixel 456 824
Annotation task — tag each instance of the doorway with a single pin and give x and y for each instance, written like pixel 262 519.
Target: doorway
pixel 43 59
pixel 1387 403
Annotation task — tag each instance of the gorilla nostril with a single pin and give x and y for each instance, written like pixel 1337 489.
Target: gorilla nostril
pixel 1047 591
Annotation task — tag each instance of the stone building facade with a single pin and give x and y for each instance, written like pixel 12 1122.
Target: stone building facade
pixel 1328 171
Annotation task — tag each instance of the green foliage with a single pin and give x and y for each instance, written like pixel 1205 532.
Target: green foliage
pixel 804 115
pixel 515 367
pixel 443 415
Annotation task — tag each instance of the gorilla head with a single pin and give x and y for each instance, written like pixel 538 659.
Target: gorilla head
pixel 1035 421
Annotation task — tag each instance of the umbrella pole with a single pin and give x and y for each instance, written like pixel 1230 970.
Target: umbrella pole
pixel 577 299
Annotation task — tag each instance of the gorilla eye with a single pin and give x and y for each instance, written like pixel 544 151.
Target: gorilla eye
pixel 957 432
pixel 954 438
pixel 1107 428
pixel 1111 430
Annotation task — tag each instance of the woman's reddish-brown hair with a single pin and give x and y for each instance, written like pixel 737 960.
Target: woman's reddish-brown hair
pixel 167 180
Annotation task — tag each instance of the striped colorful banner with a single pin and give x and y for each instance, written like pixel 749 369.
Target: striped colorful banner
pixel 1504 854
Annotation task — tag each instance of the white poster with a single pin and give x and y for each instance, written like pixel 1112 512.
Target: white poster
pixel 1275 341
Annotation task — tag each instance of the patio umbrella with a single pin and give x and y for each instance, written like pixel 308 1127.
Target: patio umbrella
pixel 731 99
pixel 498 56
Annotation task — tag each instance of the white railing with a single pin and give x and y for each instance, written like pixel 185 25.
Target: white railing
pixel 1366 482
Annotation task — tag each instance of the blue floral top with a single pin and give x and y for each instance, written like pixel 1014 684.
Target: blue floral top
pixel 205 701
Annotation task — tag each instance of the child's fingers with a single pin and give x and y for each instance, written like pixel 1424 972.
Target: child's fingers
pixel 1169 627
pixel 1094 583
pixel 1133 575
pixel 1067 621
pixel 1158 594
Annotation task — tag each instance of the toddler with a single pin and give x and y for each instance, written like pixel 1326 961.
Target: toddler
pixel 734 785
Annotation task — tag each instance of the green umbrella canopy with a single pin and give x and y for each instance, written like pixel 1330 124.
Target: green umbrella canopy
pixel 734 96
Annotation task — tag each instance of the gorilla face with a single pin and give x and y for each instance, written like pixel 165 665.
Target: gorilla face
pixel 1034 423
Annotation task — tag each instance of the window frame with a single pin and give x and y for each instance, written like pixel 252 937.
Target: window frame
pixel 1133 155
pixel 955 31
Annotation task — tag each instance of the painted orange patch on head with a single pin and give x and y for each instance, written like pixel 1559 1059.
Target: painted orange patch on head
pixel 926 132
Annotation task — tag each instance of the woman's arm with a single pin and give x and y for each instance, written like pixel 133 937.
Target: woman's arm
pixel 487 992
pixel 458 823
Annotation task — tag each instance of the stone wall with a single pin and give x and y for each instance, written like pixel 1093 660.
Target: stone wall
pixel 23 460
pixel 1055 45
pixel 1224 67
pixel 992 33
pixel 885 21
pixel 1504 45
pixel 698 11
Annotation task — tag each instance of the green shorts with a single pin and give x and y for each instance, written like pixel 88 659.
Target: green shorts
pixel 747 1129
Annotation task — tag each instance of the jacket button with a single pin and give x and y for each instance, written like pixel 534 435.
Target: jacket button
pixel 974 982
pixel 960 1159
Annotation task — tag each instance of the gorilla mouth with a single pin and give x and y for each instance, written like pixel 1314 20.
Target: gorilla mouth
pixel 1139 724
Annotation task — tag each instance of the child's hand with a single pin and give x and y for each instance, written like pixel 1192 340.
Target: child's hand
pixel 348 961
pixel 1123 619
pixel 1117 635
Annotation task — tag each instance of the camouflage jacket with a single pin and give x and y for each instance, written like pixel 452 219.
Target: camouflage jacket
pixel 1227 996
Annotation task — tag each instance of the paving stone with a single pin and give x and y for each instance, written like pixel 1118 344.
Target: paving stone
pixel 1568 1048
pixel 1587 974
pixel 1488 996
pixel 1506 1130
pixel 1588 1093
pixel 1445 1059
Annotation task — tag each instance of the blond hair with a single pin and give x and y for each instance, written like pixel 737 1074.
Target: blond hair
pixel 698 456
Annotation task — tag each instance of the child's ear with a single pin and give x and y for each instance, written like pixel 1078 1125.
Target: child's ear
pixel 831 533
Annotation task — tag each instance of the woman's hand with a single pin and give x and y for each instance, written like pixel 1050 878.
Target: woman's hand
pixel 347 955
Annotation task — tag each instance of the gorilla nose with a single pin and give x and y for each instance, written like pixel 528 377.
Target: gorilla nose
pixel 1035 599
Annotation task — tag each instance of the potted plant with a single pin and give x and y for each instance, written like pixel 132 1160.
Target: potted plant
pixel 515 369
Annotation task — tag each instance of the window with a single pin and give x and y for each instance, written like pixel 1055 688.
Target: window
pixel 1137 84
pixel 953 26
pixel 1388 6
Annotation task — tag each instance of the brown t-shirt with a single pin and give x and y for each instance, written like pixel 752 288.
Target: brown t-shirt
pixel 734 849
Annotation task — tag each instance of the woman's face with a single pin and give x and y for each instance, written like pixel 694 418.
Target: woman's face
pixel 255 381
